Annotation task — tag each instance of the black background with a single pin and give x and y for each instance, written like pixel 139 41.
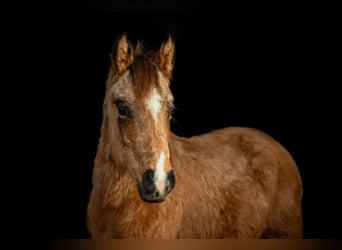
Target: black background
pixel 254 66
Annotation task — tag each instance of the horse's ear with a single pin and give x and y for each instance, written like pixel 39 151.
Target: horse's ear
pixel 165 57
pixel 122 54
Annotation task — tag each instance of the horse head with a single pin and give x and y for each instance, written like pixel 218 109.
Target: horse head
pixel 139 106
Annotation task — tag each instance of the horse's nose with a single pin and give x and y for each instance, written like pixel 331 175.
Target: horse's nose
pixel 153 189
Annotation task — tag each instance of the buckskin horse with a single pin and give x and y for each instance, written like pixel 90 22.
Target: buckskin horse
pixel 232 182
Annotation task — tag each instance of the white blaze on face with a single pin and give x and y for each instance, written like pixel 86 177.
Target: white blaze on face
pixel 154 105
pixel 159 174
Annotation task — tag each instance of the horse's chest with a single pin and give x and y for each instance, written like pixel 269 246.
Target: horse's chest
pixel 141 221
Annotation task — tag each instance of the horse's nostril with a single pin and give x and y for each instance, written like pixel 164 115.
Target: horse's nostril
pixel 147 180
pixel 171 179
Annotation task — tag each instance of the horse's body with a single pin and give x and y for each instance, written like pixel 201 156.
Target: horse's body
pixel 230 183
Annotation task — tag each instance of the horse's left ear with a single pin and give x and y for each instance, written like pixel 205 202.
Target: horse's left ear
pixel 165 57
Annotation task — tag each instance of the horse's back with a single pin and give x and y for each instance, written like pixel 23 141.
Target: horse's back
pixel 260 177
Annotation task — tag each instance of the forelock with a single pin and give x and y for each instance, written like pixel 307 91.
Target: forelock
pixel 144 75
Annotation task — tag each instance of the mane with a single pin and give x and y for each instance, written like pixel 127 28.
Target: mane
pixel 143 71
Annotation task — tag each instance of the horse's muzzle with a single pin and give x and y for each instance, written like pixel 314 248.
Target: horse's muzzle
pixel 151 191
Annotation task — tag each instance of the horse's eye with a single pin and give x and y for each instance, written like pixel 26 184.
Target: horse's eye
pixel 170 111
pixel 123 109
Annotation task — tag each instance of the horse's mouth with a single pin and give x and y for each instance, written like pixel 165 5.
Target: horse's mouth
pixel 152 196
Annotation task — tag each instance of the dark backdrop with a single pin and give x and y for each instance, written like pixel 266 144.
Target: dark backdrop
pixel 248 66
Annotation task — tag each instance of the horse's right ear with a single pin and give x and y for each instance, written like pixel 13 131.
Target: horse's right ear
pixel 122 54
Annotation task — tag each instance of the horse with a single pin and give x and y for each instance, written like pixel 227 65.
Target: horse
pixel 149 183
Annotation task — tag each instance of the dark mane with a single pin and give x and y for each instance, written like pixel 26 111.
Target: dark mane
pixel 143 71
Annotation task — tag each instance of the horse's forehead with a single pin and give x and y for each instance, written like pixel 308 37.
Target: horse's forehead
pixel 163 83
pixel 154 104
pixel 124 89
pixel 160 94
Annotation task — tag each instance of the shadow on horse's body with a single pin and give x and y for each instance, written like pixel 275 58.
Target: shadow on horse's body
pixel 149 183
